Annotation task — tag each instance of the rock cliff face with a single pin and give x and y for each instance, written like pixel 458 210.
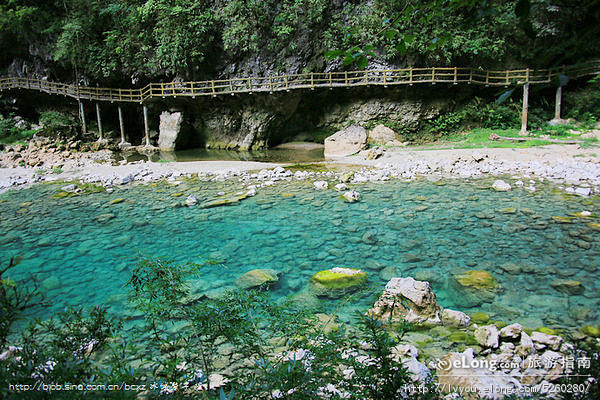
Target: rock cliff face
pixel 261 120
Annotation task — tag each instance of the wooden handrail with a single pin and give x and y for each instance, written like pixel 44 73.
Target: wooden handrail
pixel 310 80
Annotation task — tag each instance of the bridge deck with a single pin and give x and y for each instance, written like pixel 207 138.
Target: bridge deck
pixel 278 83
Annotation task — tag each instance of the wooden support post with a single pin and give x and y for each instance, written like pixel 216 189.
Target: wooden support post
pixel 367 77
pixel 100 132
pixel 524 131
pixel 312 81
pixel 82 116
pixel 250 84
pixel 410 79
pixel 345 78
pixel 122 125
pixel 558 103
pixel 455 75
pixel 287 84
pixel 146 128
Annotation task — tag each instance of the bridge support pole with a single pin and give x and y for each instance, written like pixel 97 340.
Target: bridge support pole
pixel 122 126
pixel 82 117
pixel 524 131
pixel 558 103
pixel 100 132
pixel 146 128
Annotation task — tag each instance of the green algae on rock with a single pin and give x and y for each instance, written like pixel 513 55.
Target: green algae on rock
pixel 225 201
pixel 475 287
pixel 592 331
pixel 256 278
pixel 335 282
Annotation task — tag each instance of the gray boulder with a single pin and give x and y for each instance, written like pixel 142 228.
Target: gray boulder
pixel 346 142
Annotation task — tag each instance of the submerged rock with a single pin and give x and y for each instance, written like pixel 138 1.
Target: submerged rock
pixel 405 299
pixel 335 282
pixel 229 200
pixel 474 287
pixel 256 278
pixel 567 286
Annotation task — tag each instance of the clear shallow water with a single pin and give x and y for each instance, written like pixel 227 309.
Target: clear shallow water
pixel 268 155
pixel 461 228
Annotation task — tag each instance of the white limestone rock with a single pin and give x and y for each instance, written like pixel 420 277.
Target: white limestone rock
pixel 488 336
pixel 346 142
pixel 420 305
pixel 455 318
pixel 501 186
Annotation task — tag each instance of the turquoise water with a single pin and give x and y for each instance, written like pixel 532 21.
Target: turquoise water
pixel 421 229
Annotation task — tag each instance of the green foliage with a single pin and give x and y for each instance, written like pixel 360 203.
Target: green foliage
pixel 57 125
pixel 9 133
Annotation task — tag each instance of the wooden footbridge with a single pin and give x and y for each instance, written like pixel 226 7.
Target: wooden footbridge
pixel 311 81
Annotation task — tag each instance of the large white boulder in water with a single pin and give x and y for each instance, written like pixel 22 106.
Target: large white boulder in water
pixel 405 299
pixel 346 142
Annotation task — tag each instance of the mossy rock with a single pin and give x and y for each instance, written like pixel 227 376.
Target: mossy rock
pixel 499 324
pixel 178 194
pixel 592 331
pixel 462 337
pixel 61 195
pixel 117 201
pixel 546 330
pixel 562 220
pixel 594 225
pixel 481 280
pixel 257 278
pixel 224 201
pixel 480 318
pixel 508 210
pixel 335 282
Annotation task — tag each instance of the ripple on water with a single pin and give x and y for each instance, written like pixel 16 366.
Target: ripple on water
pixel 420 229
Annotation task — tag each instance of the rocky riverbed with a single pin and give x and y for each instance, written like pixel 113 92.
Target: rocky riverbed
pixel 576 170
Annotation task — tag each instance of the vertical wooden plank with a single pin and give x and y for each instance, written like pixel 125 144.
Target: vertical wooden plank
pixel 455 75
pixel 384 77
pixel 433 75
pixel 312 80
pixel 487 77
pixel 524 131
pixel 345 78
pixel 507 81
pixel 212 84
pixel 286 83
pixel 367 77
pixel 330 79
pixel 146 128
pixel 270 84
pixel 410 79
pixel 250 84
pixel 230 85
pixel 100 132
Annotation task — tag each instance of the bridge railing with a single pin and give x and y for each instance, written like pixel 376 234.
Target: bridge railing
pixel 403 76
